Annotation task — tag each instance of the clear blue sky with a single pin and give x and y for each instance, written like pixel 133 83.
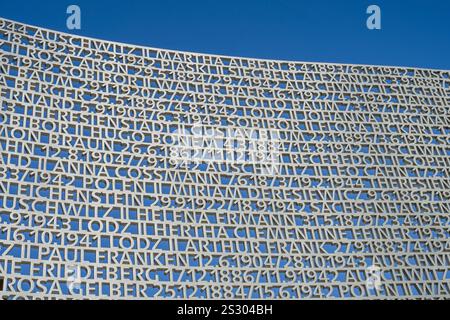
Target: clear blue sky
pixel 414 33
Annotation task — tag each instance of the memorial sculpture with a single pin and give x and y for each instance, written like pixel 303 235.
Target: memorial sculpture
pixel 129 172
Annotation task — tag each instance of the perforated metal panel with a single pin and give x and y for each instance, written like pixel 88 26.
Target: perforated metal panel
pixel 133 172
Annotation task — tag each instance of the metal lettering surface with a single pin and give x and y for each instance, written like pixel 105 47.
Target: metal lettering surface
pixel 129 172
